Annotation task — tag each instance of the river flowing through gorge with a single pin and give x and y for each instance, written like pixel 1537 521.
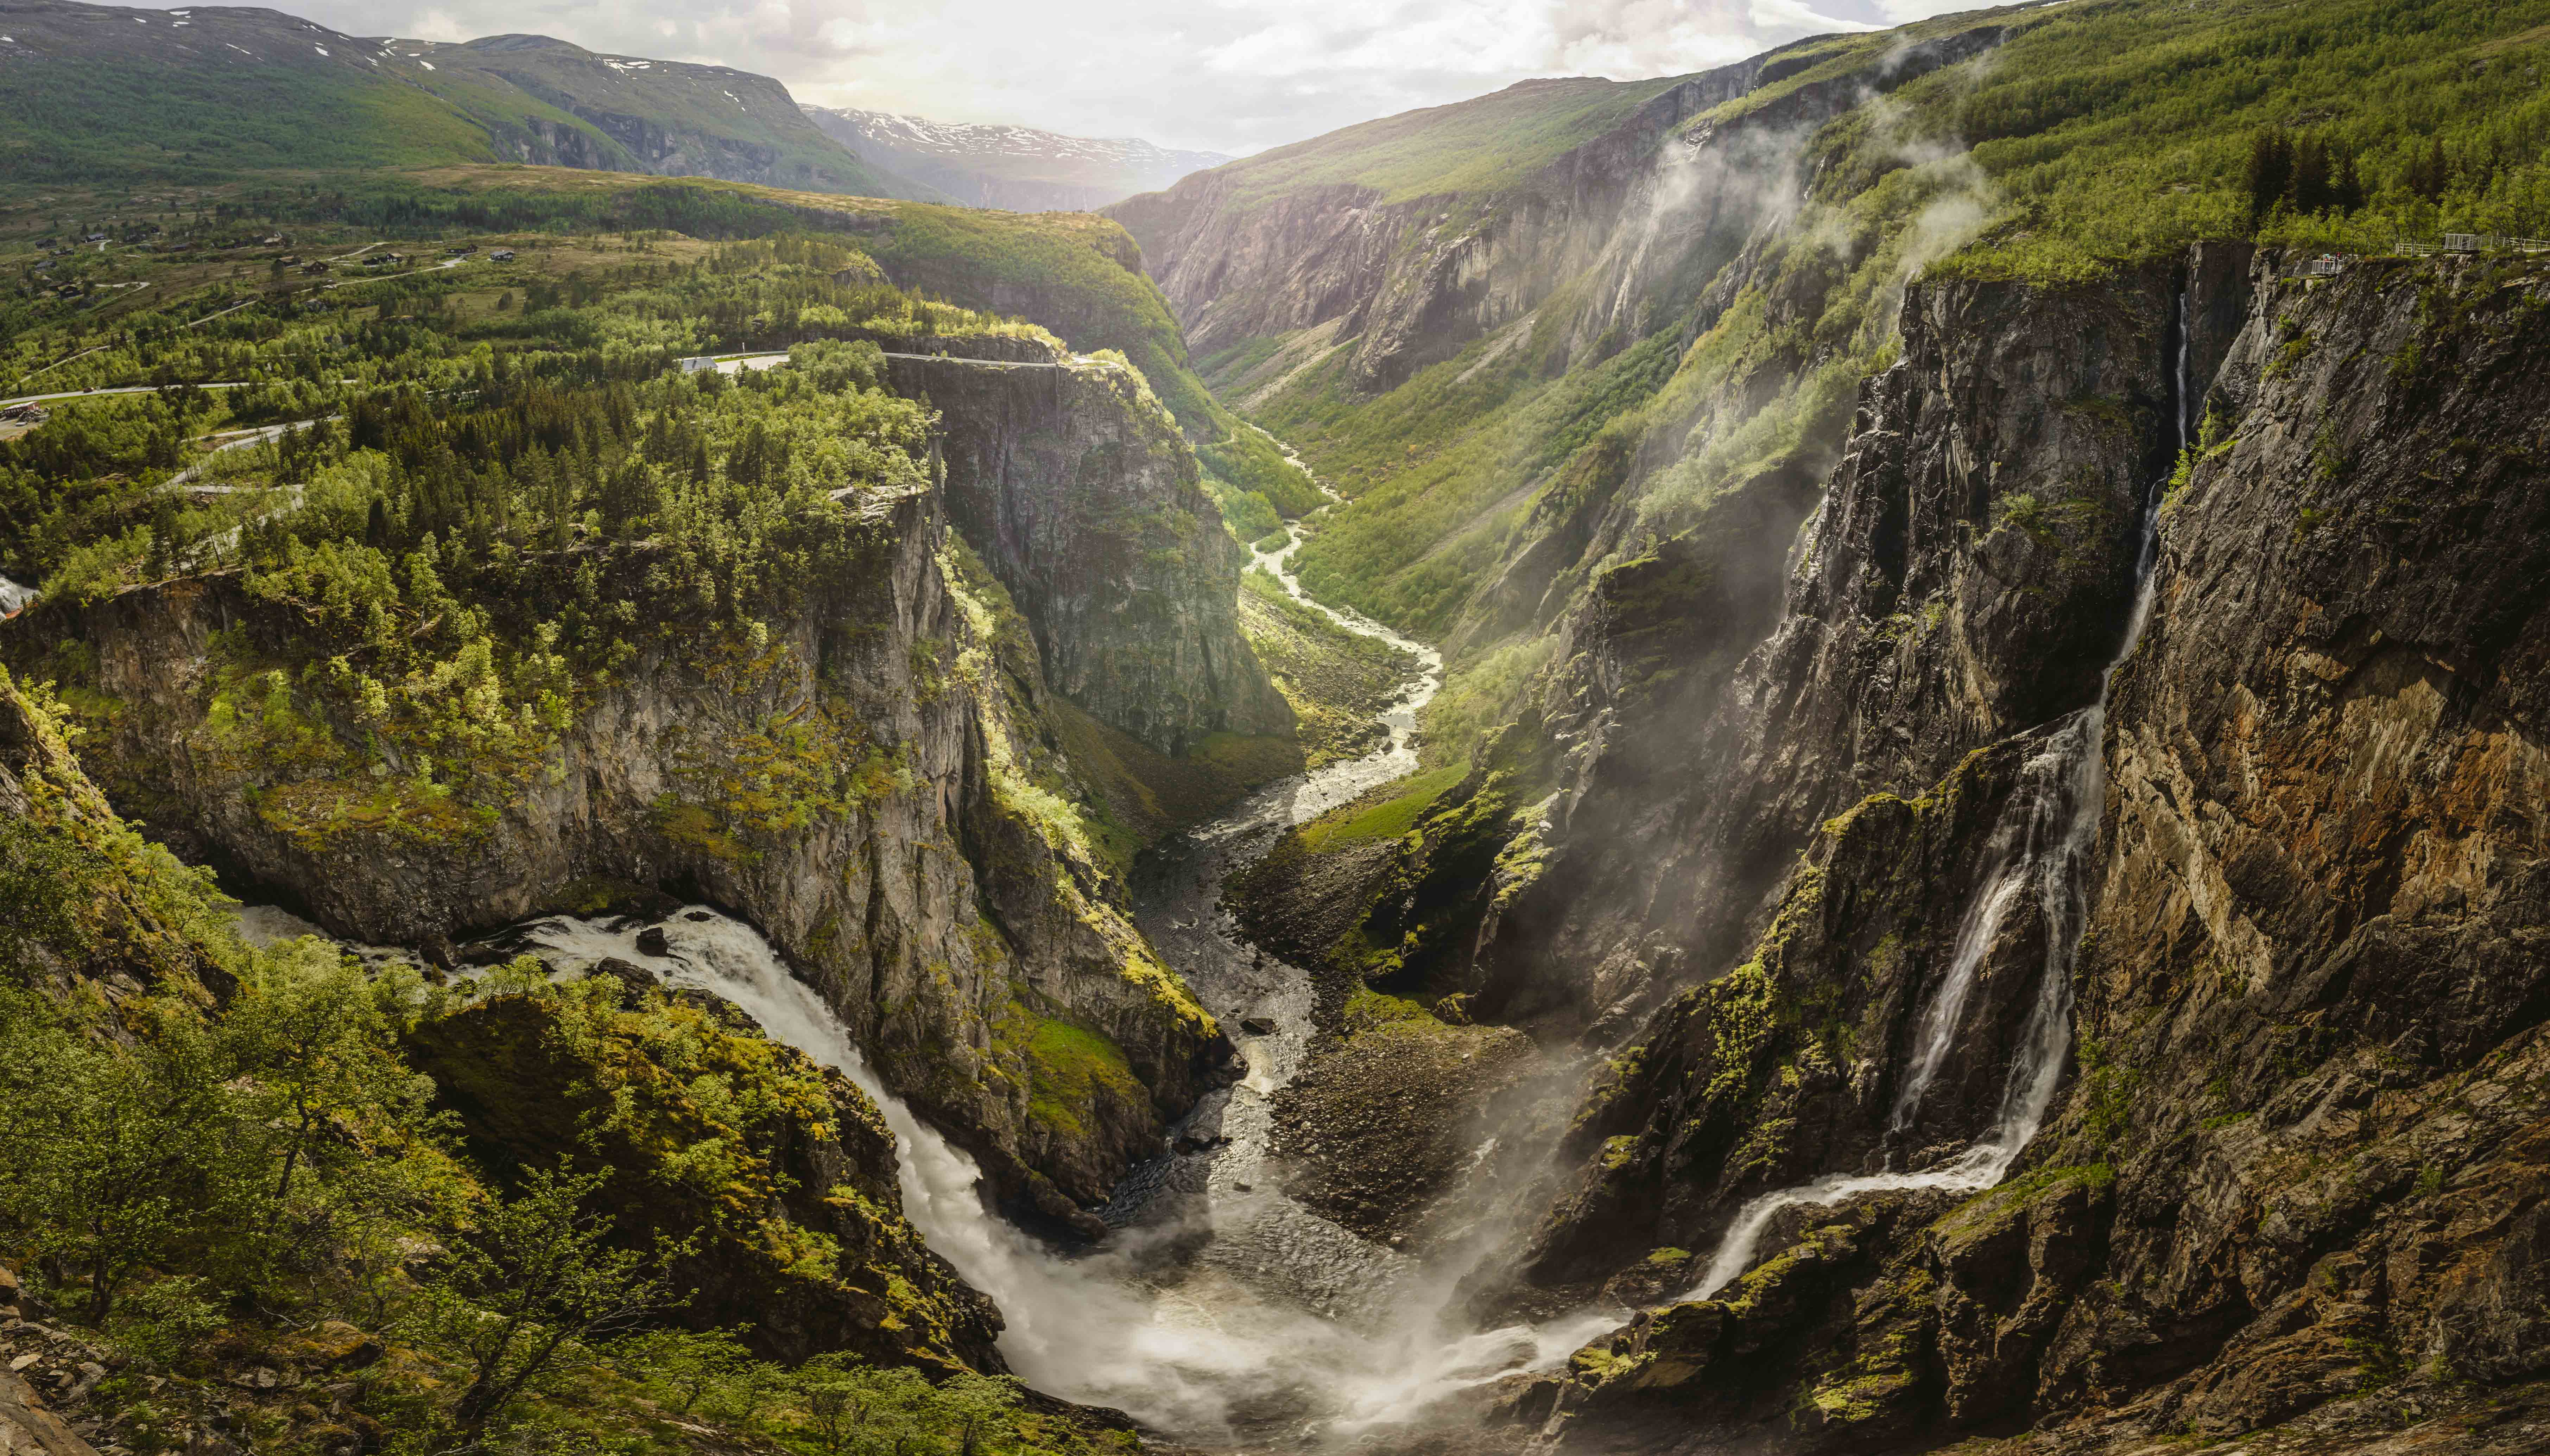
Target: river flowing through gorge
pixel 1219 1311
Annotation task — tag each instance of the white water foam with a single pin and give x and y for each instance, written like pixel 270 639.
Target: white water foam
pixel 14 597
pixel 1199 1355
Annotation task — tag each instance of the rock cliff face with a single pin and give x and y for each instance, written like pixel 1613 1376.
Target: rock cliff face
pixel 1404 278
pixel 2297 1162
pixel 1966 573
pixel 607 1073
pixel 1075 487
pixel 870 789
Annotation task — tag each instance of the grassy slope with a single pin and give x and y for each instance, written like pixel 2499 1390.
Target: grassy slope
pixel 2098 132
pixel 1469 146
pixel 81 120
pixel 500 83
pixel 1339 682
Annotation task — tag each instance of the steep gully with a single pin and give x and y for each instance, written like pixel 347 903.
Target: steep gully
pixel 1221 1309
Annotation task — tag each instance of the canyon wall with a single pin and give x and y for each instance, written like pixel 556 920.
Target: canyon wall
pixel 1074 484
pixel 2298 1157
pixel 1825 800
pixel 875 782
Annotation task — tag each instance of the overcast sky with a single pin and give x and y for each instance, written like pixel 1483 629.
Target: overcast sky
pixel 1222 75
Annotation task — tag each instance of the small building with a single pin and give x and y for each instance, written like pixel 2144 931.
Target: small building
pixel 696 363
pixel 464 249
pixel 501 255
pixel 315 265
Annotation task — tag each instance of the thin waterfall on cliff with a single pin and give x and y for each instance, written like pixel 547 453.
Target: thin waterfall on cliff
pixel 2058 800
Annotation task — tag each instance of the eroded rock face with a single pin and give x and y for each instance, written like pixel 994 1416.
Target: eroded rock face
pixel 1077 490
pixel 1411 281
pixel 1964 579
pixel 2296 1168
pixel 852 789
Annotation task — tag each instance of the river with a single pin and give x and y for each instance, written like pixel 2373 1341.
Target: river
pixel 1219 1312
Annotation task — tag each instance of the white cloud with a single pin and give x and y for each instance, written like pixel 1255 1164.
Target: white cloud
pixel 1229 75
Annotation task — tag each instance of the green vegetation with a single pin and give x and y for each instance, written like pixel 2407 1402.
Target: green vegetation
pixel 507 512
pixel 216 1158
pixel 1376 818
pixel 2092 136
pixel 1338 681
pixel 1070 1070
pixel 1467 147
pixel 233 92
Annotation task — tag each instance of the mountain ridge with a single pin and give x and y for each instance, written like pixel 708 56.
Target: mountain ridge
pixel 217 91
pixel 1019 168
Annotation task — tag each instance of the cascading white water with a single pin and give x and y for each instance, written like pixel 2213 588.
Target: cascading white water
pixel 1220 1308
pixel 2061 792
pixel 13 597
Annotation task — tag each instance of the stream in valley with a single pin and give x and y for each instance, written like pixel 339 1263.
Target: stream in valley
pixel 1219 1312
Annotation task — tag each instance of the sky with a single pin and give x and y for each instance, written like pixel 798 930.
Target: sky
pixel 1234 77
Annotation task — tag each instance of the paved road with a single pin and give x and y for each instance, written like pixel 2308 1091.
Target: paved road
pixel 724 366
pixel 78 394
pixel 262 433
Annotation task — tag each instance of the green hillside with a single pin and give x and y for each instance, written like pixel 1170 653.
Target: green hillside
pixel 1468 147
pixel 92 93
pixel 2092 136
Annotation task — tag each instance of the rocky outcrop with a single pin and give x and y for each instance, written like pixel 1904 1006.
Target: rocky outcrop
pixel 794 1227
pixel 1077 490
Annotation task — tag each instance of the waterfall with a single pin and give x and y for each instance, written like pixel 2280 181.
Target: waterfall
pixel 1221 1310
pixel 13 597
pixel 2061 791
pixel 1100 1329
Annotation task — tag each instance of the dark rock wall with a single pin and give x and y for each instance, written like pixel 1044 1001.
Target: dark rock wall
pixel 2298 1164
pixel 1964 578
pixel 1076 488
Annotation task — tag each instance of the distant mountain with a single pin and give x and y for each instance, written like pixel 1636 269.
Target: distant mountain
pixel 1019 168
pixel 88 91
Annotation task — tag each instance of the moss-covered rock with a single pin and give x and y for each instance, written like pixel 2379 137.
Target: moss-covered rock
pixel 779 1173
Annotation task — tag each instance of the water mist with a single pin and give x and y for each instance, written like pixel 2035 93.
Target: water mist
pixel 2040 859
